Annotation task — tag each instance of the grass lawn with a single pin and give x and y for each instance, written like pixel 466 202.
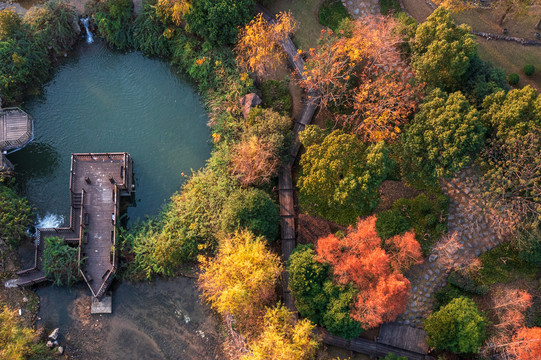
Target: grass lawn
pixel 305 12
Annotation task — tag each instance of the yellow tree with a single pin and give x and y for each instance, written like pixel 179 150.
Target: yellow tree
pixel 172 11
pixel 259 48
pixel 16 341
pixel 241 279
pixel 282 339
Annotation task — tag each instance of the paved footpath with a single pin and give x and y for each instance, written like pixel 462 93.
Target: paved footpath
pixel 474 234
pixel 361 8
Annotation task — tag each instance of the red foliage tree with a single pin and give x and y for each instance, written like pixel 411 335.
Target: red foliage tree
pixel 526 344
pixel 360 259
pixel 364 74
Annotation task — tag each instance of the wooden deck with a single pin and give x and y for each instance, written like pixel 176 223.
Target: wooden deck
pixel 97 181
pixel 16 129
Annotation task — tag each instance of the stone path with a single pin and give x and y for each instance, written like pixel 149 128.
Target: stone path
pixel 361 8
pixel 475 236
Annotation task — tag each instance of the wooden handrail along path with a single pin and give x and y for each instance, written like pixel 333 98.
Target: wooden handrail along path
pixel 287 213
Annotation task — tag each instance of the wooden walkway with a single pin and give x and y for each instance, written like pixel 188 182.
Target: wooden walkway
pixel 286 190
pixel 97 181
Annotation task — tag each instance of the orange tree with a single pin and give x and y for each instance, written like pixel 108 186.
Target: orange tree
pixel 361 76
pixel 359 258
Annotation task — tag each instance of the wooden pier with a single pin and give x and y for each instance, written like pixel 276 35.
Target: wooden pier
pixel 97 182
pixel 16 130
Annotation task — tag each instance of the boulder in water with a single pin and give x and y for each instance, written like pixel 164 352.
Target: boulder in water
pixel 60 350
pixel 249 101
pixel 54 334
pixel 49 344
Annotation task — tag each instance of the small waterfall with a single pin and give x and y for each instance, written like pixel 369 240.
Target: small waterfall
pixel 50 221
pixel 89 36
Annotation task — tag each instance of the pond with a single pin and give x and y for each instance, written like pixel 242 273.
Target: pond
pixel 106 101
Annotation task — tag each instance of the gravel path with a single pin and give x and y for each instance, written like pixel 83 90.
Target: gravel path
pixel 361 8
pixel 475 236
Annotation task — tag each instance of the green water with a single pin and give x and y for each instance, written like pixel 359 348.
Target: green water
pixel 106 101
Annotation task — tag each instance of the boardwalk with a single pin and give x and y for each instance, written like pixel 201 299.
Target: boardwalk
pixel 97 181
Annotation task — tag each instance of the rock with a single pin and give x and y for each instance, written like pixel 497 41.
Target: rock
pixel 25 299
pixel 249 101
pixel 60 350
pixel 54 334
pixel 432 258
pixel 49 344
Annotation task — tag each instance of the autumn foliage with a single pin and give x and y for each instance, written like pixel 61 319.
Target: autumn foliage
pixel 364 76
pixel 526 344
pixel 241 279
pixel 259 48
pixel 254 161
pixel 373 266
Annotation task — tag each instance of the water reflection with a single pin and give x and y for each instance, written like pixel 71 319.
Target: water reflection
pixel 36 160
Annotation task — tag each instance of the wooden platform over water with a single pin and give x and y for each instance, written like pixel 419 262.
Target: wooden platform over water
pixel 16 130
pixel 97 181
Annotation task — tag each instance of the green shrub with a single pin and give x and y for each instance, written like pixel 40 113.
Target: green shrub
pixel 316 297
pixel 467 284
pixel 445 295
pixel 15 216
pixel 513 79
pixel 276 96
pixel 60 261
pixel 332 13
pixel 391 356
pixel 390 223
pixel 458 327
pixel 528 70
pixel 427 215
pixel 114 20
pixel 389 7
pixel 251 209
pixel 149 33
pixel 217 21
pixel 502 265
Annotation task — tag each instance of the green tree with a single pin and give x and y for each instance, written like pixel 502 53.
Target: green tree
pixel 444 136
pixel 251 209
pixel 458 327
pixel 53 25
pixel 24 63
pixel 340 176
pixel 60 261
pixel 15 216
pixel 442 51
pixel 513 112
pixel 218 20
pixel 317 298
pixel 114 21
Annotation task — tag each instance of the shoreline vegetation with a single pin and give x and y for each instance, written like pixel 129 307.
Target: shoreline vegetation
pixel 404 102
